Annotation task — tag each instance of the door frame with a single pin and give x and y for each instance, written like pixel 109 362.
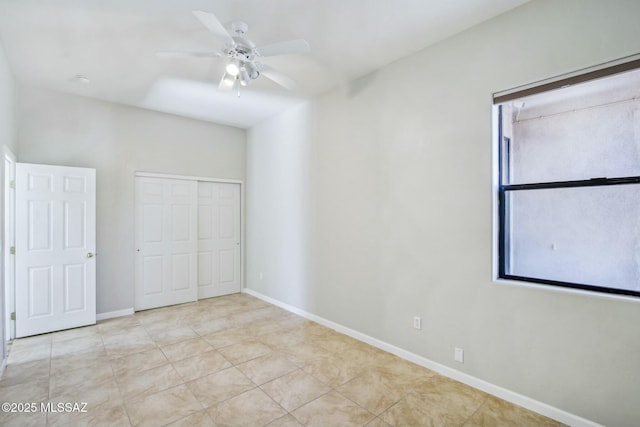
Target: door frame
pixel 208 179
pixel 9 235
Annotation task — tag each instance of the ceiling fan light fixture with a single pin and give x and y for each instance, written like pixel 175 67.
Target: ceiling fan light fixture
pixel 233 67
pixel 228 79
pixel 252 72
pixel 243 77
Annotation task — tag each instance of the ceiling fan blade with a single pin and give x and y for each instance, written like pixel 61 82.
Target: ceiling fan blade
pixel 277 76
pixel 284 48
pixel 183 54
pixel 210 21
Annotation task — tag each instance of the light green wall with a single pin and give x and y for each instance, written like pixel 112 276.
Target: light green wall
pixel 118 140
pixel 7 91
pixel 373 204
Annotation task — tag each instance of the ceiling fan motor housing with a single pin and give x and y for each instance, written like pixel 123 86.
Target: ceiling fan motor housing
pixel 243 51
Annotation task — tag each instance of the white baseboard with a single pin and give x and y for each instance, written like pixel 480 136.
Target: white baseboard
pixel 112 314
pixel 502 393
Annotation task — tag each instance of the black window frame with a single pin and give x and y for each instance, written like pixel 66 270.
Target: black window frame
pixel 503 189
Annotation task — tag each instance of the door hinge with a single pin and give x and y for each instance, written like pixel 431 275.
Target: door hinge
pixel 12 184
pixel 12 250
pixel 13 315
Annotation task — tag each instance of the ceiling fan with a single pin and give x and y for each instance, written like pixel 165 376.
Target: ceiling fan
pixel 241 54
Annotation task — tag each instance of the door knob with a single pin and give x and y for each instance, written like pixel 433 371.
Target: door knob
pixel 89 255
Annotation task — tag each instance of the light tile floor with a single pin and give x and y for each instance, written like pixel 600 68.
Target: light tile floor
pixel 233 361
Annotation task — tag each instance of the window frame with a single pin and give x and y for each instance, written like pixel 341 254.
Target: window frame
pixel 501 158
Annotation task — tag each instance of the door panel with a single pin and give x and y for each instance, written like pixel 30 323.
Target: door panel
pixel 55 233
pixel 166 241
pixel 181 225
pixel 219 237
pixel 227 265
pixel 40 292
pixel 205 263
pixel 205 218
pixel 74 285
pixel 182 271
pixel 74 225
pixel 152 224
pixel 153 274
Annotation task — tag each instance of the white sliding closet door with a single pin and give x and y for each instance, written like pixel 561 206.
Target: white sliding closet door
pixel 166 242
pixel 219 263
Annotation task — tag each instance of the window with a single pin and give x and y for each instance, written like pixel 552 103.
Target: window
pixel 568 188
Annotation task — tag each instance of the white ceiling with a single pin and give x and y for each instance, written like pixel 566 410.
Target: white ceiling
pixel 113 43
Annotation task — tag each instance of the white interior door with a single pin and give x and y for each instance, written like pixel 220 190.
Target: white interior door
pixel 218 239
pixel 166 242
pixel 55 247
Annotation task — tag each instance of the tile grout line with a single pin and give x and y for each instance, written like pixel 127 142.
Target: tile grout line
pixel 476 411
pixel 46 417
pixel 115 379
pixel 360 406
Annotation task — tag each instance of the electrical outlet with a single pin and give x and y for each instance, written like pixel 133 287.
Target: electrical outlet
pixel 417 322
pixel 261 276
pixel 458 355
